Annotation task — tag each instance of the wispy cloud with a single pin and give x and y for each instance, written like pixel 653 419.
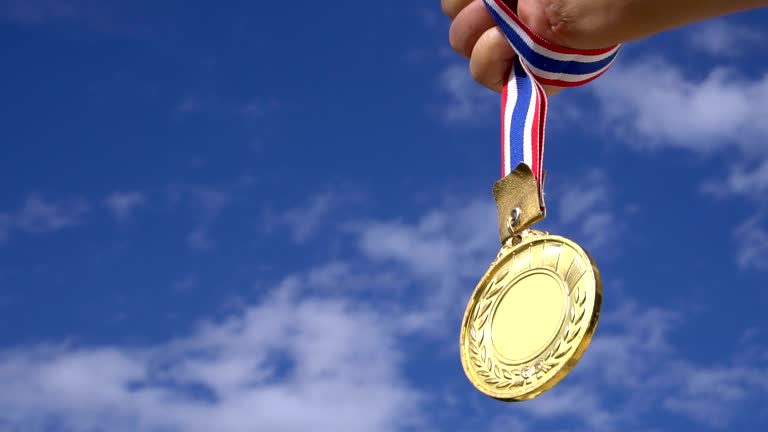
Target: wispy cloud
pixel 584 207
pixel 5 226
pixel 741 181
pixel 310 213
pixel 188 282
pixel 209 201
pixel 38 216
pixel 462 99
pixel 447 249
pixel 199 239
pixel 253 108
pixel 735 383
pixel 307 356
pixel 37 11
pixel 752 243
pixel 724 38
pixel 286 364
pixel 105 16
pixel 190 104
pixel 302 222
pixel 633 355
pixel 124 204
pixel 653 104
pixel 633 368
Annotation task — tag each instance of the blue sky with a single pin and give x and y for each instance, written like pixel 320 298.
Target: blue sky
pixel 262 217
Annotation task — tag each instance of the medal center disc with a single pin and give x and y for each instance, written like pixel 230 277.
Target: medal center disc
pixel 528 316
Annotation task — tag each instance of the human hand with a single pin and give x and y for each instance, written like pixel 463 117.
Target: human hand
pixel 474 35
pixel 583 24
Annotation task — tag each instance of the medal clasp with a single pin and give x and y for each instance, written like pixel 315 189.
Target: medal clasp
pixel 519 202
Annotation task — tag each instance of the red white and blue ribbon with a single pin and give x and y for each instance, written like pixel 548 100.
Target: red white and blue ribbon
pixel 523 101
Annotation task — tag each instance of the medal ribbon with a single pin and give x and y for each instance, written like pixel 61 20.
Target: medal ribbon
pixel 523 101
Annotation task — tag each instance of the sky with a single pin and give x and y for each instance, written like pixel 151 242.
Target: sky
pixel 262 216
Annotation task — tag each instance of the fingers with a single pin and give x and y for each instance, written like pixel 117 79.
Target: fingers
pixel 453 7
pixel 468 26
pixel 491 59
pixel 474 34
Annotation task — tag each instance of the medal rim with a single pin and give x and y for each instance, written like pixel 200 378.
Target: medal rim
pixel 569 361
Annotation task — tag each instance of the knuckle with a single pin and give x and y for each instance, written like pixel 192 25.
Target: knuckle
pixel 559 21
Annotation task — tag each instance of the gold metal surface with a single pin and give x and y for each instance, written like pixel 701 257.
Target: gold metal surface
pixel 531 317
pixel 520 190
pixel 517 329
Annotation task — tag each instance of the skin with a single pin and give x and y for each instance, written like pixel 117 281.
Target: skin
pixel 582 24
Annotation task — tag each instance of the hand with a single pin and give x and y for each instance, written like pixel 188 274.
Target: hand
pixel 584 24
pixel 474 35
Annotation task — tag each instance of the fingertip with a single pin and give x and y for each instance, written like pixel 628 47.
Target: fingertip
pixel 468 26
pixel 451 8
pixel 457 40
pixel 491 59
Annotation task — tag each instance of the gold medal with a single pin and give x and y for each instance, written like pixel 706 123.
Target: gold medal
pixel 533 314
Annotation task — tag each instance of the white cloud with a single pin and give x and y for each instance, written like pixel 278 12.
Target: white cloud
pixel 751 236
pixel 506 423
pixel 209 201
pixel 186 283
pixel 190 104
pixel 253 109
pixel 212 199
pixel 38 215
pixel 304 220
pixel 741 181
pixel 36 11
pixel 5 226
pixel 445 241
pixel 123 204
pixel 723 38
pixel 286 364
pixel 633 369
pixel 462 99
pixel 752 243
pixel 107 16
pixel 584 208
pixel 573 401
pixel 310 356
pixel 447 250
pixel 579 198
pixel 653 104
pixel 199 239
pixel 710 394
pixel 344 277
pixel 311 213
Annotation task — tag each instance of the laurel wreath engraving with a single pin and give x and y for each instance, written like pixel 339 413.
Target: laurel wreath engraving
pixel 501 376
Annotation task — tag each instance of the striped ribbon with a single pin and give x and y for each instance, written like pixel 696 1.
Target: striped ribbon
pixel 523 101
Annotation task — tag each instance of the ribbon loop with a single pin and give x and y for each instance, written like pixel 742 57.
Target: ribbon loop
pixel 523 101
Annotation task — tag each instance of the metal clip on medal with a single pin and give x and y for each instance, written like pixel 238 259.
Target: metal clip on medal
pixel 533 314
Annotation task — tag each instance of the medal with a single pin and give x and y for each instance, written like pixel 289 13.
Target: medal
pixel 533 313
